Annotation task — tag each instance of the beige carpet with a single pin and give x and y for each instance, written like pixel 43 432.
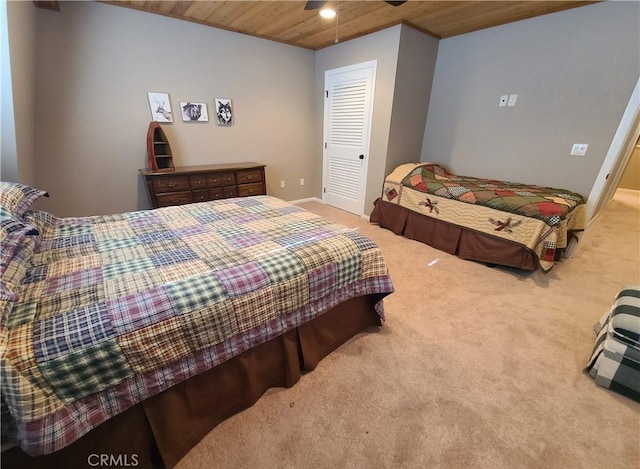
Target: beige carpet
pixel 476 367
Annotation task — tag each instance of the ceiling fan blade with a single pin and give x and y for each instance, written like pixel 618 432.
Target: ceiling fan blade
pixel 314 5
pixel 395 4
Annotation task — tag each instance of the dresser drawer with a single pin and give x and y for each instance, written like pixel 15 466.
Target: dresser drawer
pixel 223 192
pixel 171 184
pixel 221 179
pixel 200 196
pixel 250 175
pixel 198 182
pixel 176 198
pixel 251 189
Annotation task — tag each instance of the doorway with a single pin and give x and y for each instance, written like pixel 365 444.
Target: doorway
pixel 617 157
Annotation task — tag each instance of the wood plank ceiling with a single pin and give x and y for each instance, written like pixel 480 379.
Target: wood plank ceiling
pixel 290 23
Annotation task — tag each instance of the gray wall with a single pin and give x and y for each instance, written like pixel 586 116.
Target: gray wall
pixel 18 92
pixel 414 76
pixel 383 47
pixel 573 71
pixel 8 150
pixel 96 63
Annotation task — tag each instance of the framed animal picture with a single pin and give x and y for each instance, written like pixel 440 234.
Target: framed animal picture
pixel 224 111
pixel 194 112
pixel 160 107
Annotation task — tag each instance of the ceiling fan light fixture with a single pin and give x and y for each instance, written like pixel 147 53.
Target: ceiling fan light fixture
pixel 328 13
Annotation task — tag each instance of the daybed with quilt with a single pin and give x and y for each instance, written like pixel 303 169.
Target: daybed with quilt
pixel 486 220
pixel 137 333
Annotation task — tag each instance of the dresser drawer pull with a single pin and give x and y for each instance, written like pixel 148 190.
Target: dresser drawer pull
pixel 228 179
pixel 215 180
pixel 251 191
pixel 171 184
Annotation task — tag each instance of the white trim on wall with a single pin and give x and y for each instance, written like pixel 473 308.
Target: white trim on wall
pixel 617 157
pixel 310 199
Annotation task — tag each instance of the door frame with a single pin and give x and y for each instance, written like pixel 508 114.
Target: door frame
pixel 617 157
pixel 373 64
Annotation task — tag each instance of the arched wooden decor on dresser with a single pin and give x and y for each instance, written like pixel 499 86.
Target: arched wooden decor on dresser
pixel 159 156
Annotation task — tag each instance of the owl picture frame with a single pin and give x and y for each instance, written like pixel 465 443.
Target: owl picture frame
pixel 224 112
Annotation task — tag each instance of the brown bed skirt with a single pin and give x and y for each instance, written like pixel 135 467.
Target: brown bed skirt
pixel 463 242
pixel 161 430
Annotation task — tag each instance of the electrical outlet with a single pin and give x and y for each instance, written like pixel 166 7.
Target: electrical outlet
pixel 512 100
pixel 302 181
pixel 503 100
pixel 579 149
pixel 282 184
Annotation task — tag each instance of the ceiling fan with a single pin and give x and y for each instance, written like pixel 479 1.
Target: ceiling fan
pixel 311 5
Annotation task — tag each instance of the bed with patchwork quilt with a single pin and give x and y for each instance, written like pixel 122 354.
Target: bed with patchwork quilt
pixel 486 220
pixel 105 314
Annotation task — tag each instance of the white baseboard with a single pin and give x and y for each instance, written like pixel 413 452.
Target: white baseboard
pixel 572 246
pixel 632 192
pixel 320 201
pixel 302 201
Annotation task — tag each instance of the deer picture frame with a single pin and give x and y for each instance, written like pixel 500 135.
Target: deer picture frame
pixel 160 107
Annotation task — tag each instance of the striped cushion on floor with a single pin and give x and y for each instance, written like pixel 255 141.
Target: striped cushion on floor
pixel 615 360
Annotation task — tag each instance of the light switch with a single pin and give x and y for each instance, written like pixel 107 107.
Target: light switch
pixel 579 149
pixel 512 100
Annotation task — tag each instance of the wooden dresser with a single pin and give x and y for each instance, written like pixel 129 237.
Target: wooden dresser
pixel 188 184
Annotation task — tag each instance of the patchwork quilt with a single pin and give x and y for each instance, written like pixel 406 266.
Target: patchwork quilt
pixel 544 203
pixel 114 309
pixel 539 218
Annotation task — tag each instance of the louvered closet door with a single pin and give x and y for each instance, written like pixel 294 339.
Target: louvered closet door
pixel 347 127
